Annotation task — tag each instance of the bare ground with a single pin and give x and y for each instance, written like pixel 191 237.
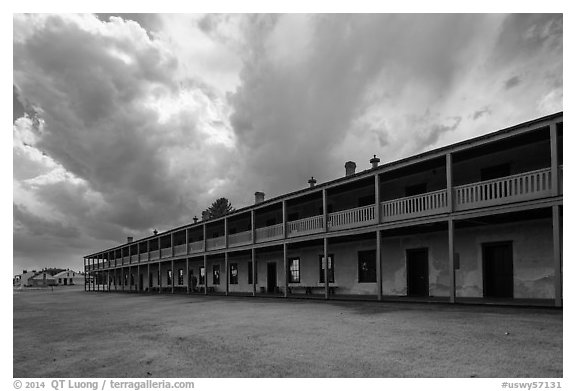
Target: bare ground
pixel 71 333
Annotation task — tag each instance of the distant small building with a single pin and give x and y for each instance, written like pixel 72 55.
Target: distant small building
pixel 66 277
pixel 43 278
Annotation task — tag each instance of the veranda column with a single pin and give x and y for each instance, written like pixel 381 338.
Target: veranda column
pixel 139 286
pixel 554 158
pixel 557 243
pixel 284 248
pixel 187 269
pixel 286 271
pixel 84 262
pixel 449 190
pixel 379 262
pixel 159 277
pixel 378 235
pixel 93 275
pixel 172 279
pixel 227 271
pixel 253 271
pixel 451 270
pixel 149 279
pixel 205 269
pixel 253 228
pixel 326 281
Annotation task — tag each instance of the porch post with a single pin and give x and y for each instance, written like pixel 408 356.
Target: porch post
pixel 138 285
pixel 554 158
pixel 187 269
pixel 84 263
pixel 379 262
pixel 452 271
pixel 324 210
pixel 285 248
pixel 205 267
pixel 172 279
pixel 93 276
pixel 148 278
pixel 326 281
pixel 557 243
pixel 159 277
pixel 253 271
pixel 377 198
pixel 449 191
pixel 226 272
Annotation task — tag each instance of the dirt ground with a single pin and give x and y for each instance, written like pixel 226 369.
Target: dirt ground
pixel 71 333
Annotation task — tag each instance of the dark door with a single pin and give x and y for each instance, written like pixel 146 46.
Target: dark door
pixel 498 269
pixel 271 277
pixel 417 271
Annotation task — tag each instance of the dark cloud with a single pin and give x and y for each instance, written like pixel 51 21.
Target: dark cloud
pixel 512 82
pixel 482 112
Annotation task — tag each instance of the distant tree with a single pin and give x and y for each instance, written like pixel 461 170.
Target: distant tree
pixel 219 208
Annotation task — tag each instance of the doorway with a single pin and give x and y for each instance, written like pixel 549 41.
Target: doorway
pixel 497 259
pixel 271 277
pixel 417 271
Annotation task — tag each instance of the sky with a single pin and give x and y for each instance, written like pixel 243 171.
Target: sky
pixel 127 123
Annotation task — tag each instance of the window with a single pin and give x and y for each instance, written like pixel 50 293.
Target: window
pixel 294 267
pixel 234 273
pixel 59 281
pixel 202 275
pixel 330 268
pixel 180 277
pixel 169 277
pixel 126 279
pixel 216 275
pixel 367 266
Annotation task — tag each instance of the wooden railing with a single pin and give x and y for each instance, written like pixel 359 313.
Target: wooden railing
pixel 166 252
pixel 240 238
pixel 180 249
pixel 305 226
pixel 196 247
pixel 519 187
pixel 414 206
pixel 154 254
pixel 133 258
pixel 215 243
pixel 351 218
pixel 270 233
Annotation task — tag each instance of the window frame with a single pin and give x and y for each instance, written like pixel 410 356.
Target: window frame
pixel 296 270
pixel 234 278
pixel 331 273
pixel 369 273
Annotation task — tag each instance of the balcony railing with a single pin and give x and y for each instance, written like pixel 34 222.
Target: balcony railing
pixel 196 247
pixel 272 232
pixel 166 252
pixel 514 188
pixel 414 206
pixel 133 258
pixel 309 225
pixel 351 218
pixel 215 243
pixel 154 254
pixel 180 249
pixel 240 238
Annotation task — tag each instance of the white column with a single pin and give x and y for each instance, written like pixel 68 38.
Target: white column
pixel 451 270
pixel 379 263
pixel 326 279
pixel 554 158
pixel 557 245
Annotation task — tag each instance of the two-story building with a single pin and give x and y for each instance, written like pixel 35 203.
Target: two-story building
pixel 477 221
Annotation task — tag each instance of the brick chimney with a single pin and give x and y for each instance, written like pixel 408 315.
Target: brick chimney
pixel 374 161
pixel 350 168
pixel 258 197
pixel 312 181
pixel 129 239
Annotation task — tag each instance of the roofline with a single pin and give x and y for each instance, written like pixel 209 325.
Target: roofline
pixel 434 153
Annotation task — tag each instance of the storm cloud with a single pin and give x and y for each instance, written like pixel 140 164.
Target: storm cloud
pixel 126 123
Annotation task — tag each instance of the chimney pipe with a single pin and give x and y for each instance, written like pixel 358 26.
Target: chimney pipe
pixel 312 181
pixel 129 239
pixel 350 168
pixel 374 161
pixel 258 197
pixel 195 219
